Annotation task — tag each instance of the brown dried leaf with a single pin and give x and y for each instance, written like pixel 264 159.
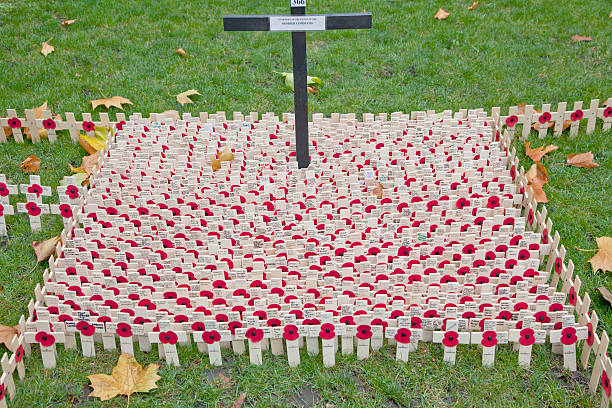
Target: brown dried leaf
pixel 312 89
pixel 605 293
pixel 537 153
pixel 87 164
pixel 45 249
pixel 566 124
pixel 441 14
pixel 238 403
pixel 66 23
pixel 226 155
pixel 47 48
pixel 226 380
pixel 30 165
pixel 603 258
pixel 584 160
pixel 473 6
pixel 127 378
pixel 580 38
pixel 181 52
pixel 171 114
pixel 115 101
pixel 215 164
pixel 6 335
pixel 378 190
pixel 184 97
pixel 538 177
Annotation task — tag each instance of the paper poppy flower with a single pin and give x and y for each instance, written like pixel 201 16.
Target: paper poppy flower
pixel 527 337
pixel 88 126
pixel 85 328
pixel 35 189
pixel 168 337
pixel 124 330
pixel 403 335
pixel 489 338
pixel 511 120
pixel 544 118
pixel 451 339
pixel 364 332
pixel 198 326
pixel 493 202
pixel 254 334
pixel 14 123
pixel 211 337
pixel 18 355
pixel 232 326
pixel 541 317
pixel 291 332
pixel 120 124
pixel 463 202
pixel 273 322
pixel 590 338
pixel 45 339
pixel 607 113
pixel 49 124
pixel 572 297
pixel 72 191
pixel 33 209
pixel 568 336
pixel 65 210
pixel 605 383
pixel 1 392
pixel 327 331
pixel 577 115
pixel 1 210
pixel 558 265
pixel 415 322
pixel 4 191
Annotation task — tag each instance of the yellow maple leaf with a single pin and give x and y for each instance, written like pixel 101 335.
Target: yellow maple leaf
pixel 183 97
pixel 116 101
pixel 603 258
pixel 127 378
pixel 47 48
pixel 97 142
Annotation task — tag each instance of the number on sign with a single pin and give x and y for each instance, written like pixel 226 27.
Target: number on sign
pixel 298 3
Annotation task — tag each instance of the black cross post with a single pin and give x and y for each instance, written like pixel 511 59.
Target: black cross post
pixel 298 23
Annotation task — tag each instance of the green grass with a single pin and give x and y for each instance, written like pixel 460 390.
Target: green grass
pixel 500 54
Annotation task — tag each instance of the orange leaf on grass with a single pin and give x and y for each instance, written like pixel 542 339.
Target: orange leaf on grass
pixel 584 160
pixel 603 258
pixel 538 177
pixel 441 14
pixel 181 52
pixel 30 165
pixel 45 249
pixel 473 6
pixel 581 38
pixel 537 153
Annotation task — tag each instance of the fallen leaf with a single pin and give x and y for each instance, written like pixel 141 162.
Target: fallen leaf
pixel 602 259
pixel 115 101
pixel 127 378
pixel 183 97
pixel 537 176
pixel 238 403
pixel 66 23
pixel 537 153
pixel 584 160
pixel 605 293
pixel 30 165
pixel 181 52
pixel 289 83
pixel 441 14
pixel 6 335
pixel 171 114
pixel 226 380
pixel 97 142
pixel 312 89
pixel 580 38
pixel 215 164
pixel 81 178
pixel 226 155
pixel 378 190
pixel 610 16
pixel 47 48
pixel 473 6
pixel 87 164
pixel 45 249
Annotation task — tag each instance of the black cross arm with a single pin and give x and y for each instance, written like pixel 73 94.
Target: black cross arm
pixel 332 22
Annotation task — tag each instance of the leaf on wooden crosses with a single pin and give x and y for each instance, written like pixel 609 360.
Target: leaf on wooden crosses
pixel 181 52
pixel 538 177
pixel 66 23
pixel 6 335
pixel 127 378
pixel 605 293
pixel 581 38
pixel 183 97
pixel 45 249
pixel 311 81
pixel 549 124
pixel 584 160
pixel 441 14
pixel 537 153
pixel 30 165
pixel 38 114
pixel 80 177
pixel 174 114
pixel 116 101
pixel 215 163
pixel 473 6
pixel 378 190
pixel 226 155
pixel 603 258
pixel 97 142
pixel 87 164
pixel 47 48
pixel 239 401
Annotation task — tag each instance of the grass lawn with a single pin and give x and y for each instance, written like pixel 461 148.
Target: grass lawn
pixel 502 53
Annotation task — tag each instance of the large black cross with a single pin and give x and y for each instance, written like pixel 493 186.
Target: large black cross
pixel 298 23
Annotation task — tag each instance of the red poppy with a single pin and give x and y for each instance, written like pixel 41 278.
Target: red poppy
pixel 1 210
pixel 511 120
pixel 4 191
pixel 607 113
pixel 124 330
pixel 168 337
pixel 577 115
pixel 572 297
pixel 1 392
pixel 415 322
pixel 291 332
pixel 568 336
pixel 14 123
pixel 85 328
pixel 403 335
pixel 590 338
pixel 45 339
pixel 72 191
pixel 493 202
pixel 558 265
pixel 49 124
pixel 211 337
pixel 35 189
pixel 88 126
pixel 505 315
pixel 451 339
pixel 254 334
pixel 541 317
pixel 364 332
pixel 120 124
pixel 33 209
pixel 605 383
pixel 544 118
pixel 65 210
pixel 489 338
pixel 273 322
pixel 463 202
pixel 232 326
pixel 19 354
pixel 527 337
pixel 327 331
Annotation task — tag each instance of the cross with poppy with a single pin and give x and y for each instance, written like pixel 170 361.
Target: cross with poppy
pixel 65 210
pixel 6 190
pixel 34 211
pixel 568 336
pixel 404 337
pixel 47 341
pixel 450 338
pixel 525 338
pixel 213 338
pixel 70 191
pixel 16 359
pixel 14 123
pixel 34 191
pixel 488 339
pixel 49 124
pixel 167 341
pixel 5 209
pixel 9 382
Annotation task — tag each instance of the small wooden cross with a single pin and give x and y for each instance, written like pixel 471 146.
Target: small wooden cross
pixel 298 23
